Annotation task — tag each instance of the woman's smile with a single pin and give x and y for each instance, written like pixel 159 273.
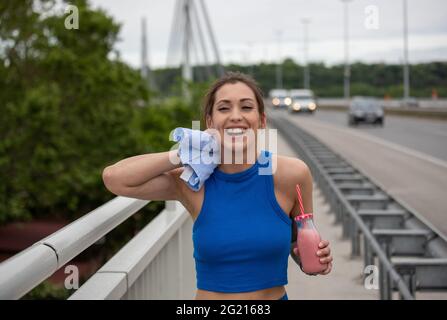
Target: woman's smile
pixel 235 131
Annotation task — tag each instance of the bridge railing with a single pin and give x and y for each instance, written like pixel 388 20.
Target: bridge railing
pixel 157 247
pixel 156 264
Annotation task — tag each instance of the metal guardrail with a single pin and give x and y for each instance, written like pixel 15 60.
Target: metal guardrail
pixel 430 113
pixel 440 103
pixel 24 271
pixel 410 252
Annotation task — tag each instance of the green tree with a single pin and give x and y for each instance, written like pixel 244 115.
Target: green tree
pixel 69 109
pixel 327 81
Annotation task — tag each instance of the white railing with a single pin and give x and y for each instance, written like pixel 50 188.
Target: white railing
pixel 147 264
pixel 156 264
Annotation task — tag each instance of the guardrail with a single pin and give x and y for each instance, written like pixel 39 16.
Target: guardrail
pixel 440 103
pixel 410 252
pixel 432 113
pixel 24 271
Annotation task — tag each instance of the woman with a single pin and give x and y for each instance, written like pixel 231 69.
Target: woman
pixel 242 219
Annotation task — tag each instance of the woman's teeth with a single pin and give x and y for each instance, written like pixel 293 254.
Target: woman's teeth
pixel 235 131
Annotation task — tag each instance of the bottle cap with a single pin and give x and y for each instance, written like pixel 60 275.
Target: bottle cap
pixel 304 216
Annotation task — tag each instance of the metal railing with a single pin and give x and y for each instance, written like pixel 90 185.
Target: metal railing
pixel 411 253
pixel 159 245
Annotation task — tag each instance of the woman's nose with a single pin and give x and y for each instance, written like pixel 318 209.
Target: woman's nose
pixel 236 114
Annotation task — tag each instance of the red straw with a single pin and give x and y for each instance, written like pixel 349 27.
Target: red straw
pixel 300 199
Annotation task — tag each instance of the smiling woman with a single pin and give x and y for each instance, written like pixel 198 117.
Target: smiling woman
pixel 234 108
pixel 242 214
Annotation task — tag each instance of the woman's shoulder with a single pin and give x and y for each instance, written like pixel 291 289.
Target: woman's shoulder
pixel 290 167
pixel 291 171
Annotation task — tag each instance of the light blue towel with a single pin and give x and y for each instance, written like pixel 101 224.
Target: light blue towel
pixel 199 154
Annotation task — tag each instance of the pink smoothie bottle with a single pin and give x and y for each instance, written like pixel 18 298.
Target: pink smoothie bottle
pixel 308 240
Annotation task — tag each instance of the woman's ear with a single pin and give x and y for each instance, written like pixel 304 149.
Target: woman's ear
pixel 209 122
pixel 263 120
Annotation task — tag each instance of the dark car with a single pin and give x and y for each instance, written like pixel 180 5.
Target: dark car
pixel 365 110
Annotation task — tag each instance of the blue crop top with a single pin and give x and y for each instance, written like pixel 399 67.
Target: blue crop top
pixel 242 236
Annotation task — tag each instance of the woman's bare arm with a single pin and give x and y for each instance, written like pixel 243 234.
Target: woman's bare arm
pixel 304 179
pixel 148 176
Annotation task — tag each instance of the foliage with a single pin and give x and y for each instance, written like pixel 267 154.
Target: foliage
pixel 48 291
pixel 68 110
pixel 327 81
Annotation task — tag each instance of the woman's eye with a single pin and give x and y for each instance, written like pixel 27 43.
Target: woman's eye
pixel 223 108
pixel 247 107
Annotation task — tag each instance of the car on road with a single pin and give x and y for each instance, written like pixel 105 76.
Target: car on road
pixel 280 98
pixel 303 100
pixel 365 110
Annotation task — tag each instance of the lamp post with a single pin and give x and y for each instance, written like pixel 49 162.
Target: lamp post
pixel 279 83
pixel 249 57
pixel 406 67
pixel 306 74
pixel 347 71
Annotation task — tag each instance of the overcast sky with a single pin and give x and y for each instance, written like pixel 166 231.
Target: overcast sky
pixel 247 30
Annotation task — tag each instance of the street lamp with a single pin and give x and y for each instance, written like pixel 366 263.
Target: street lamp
pixel 306 74
pixel 250 64
pixel 406 67
pixel 279 64
pixel 347 72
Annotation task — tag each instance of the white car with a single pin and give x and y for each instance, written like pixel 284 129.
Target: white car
pixel 303 100
pixel 280 98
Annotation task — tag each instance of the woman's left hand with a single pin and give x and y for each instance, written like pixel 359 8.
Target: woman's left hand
pixel 324 253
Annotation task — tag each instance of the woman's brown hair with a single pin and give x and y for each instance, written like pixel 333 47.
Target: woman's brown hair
pixel 232 78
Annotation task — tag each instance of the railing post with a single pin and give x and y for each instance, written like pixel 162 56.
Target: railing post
pixel 180 261
pixel 385 279
pixel 339 215
pixel 409 278
pixel 355 238
pixel 368 255
pixel 349 225
pixel 368 252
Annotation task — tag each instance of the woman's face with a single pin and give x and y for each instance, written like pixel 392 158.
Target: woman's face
pixel 236 117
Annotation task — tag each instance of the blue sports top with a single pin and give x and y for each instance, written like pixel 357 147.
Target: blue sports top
pixel 242 236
